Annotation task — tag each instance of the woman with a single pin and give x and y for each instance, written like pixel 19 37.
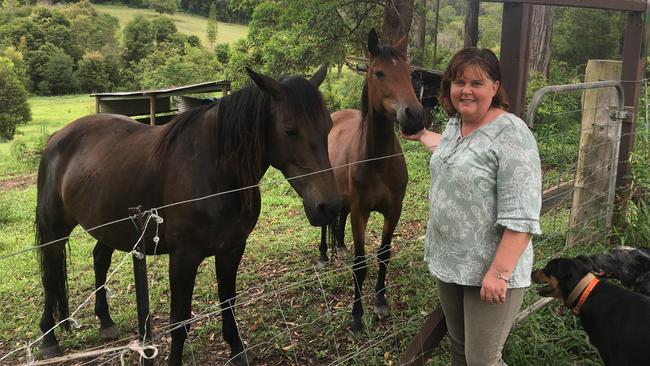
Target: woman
pixel 484 199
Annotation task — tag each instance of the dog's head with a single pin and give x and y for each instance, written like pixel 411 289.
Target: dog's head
pixel 560 276
pixel 625 264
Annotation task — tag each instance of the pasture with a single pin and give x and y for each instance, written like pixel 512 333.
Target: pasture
pixel 188 24
pixel 289 309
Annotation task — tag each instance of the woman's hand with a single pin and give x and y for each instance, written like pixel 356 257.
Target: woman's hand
pixel 414 137
pixel 493 288
pixel 427 138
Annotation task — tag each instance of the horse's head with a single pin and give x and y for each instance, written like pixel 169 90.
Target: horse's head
pixel 390 88
pixel 297 141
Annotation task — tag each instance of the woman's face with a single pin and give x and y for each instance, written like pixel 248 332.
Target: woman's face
pixel 472 92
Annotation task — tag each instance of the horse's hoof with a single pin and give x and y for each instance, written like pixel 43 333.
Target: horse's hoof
pixel 357 327
pixel 381 311
pixel 111 333
pixel 245 358
pixel 51 351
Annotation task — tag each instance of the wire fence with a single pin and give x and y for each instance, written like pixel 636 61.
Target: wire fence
pixel 291 311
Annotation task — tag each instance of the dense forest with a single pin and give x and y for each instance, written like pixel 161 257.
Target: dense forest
pixel 69 47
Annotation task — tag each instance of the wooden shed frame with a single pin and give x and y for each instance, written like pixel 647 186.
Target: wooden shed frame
pixel 515 34
pixel 153 102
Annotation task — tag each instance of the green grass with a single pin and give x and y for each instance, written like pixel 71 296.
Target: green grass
pixel 295 311
pixel 48 115
pixel 185 23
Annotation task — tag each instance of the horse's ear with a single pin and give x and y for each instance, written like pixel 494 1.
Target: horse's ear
pixel 373 43
pixel 402 43
pixel 319 76
pixel 267 84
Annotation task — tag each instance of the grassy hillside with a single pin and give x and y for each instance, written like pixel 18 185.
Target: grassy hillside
pixel 48 115
pixel 186 23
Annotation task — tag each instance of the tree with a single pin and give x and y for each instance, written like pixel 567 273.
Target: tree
pixel 222 51
pixel 212 25
pixel 138 40
pixel 398 16
pixel 161 69
pixel 540 40
pixel 93 73
pixel 471 23
pixel 13 99
pixel 421 31
pixel 164 28
pixel 164 6
pixel 580 34
pixel 59 76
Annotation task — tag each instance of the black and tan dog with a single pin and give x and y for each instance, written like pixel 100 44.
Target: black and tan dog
pixel 629 265
pixel 616 319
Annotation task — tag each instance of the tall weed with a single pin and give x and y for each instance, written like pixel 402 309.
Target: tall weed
pixel 28 155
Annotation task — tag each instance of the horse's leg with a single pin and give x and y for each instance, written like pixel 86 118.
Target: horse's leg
pixel 102 261
pixel 182 274
pixel 383 257
pixel 340 232
pixel 322 248
pixel 226 265
pixel 359 221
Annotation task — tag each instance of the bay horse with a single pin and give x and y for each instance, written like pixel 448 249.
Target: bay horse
pixel 97 167
pixel 377 185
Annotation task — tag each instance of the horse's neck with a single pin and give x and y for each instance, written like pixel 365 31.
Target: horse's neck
pixel 379 134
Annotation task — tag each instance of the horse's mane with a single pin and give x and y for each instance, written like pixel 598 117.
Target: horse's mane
pixel 237 139
pixel 240 123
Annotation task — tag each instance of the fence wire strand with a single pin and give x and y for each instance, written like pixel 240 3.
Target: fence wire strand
pixel 312 277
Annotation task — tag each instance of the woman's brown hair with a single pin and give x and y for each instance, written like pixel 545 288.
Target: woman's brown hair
pixel 487 61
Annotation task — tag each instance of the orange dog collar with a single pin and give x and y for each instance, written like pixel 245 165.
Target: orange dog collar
pixel 583 297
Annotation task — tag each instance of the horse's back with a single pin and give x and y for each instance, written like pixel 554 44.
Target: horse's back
pixel 92 129
pixel 346 129
pixel 91 161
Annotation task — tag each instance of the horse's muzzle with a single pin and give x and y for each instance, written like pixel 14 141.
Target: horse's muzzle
pixel 411 119
pixel 323 213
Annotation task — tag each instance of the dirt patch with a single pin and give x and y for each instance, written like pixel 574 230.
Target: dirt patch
pixel 17 182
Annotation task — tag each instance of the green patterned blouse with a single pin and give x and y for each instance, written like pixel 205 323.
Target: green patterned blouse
pixel 480 184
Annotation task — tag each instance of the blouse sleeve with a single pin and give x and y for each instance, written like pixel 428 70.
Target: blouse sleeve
pixel 518 181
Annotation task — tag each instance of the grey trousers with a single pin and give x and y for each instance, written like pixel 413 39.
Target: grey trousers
pixel 477 330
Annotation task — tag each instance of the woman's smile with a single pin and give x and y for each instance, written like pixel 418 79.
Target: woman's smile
pixel 471 94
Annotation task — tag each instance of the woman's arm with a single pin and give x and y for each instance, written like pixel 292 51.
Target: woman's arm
pixel 495 283
pixel 429 139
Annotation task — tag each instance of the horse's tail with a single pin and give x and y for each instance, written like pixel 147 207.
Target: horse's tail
pixel 52 254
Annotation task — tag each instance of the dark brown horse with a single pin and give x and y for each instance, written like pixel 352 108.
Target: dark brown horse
pixel 96 168
pixel 377 185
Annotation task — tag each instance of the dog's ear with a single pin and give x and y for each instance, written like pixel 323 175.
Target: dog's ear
pixel 562 269
pixel 568 273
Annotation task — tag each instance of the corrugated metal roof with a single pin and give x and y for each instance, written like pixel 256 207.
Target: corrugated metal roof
pixel 206 87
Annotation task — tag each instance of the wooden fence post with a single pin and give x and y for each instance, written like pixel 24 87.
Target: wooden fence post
pixel 145 332
pixel 599 138
pixel 423 344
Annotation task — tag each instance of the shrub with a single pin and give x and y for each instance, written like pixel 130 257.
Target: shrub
pixel 164 6
pixel 222 50
pixel 13 99
pixel 29 155
pixel 92 73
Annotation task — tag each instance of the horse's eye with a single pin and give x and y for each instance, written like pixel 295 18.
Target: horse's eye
pixel 291 132
pixel 380 74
